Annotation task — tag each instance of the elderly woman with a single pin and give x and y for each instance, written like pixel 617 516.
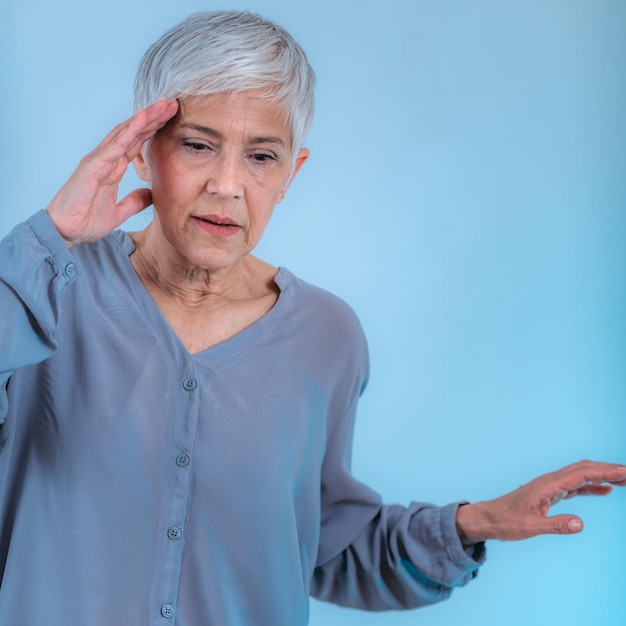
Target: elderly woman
pixel 178 414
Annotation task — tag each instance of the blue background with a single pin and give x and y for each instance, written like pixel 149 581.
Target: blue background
pixel 466 194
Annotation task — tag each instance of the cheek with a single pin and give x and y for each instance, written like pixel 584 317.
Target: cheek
pixel 163 166
pixel 171 184
pixel 259 220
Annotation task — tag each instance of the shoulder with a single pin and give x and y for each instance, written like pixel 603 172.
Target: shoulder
pixel 327 322
pixel 105 271
pixel 105 252
pixel 317 303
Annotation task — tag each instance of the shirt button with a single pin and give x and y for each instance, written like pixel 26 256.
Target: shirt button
pixel 190 383
pixel 167 610
pixel 70 270
pixel 182 460
pixel 174 533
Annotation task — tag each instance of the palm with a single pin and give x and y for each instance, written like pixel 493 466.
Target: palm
pixel 86 208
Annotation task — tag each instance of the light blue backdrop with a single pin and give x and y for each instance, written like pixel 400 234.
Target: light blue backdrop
pixel 466 194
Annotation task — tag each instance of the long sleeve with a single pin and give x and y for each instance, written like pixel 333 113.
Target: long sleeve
pixel 154 458
pixel 379 557
pixel 35 269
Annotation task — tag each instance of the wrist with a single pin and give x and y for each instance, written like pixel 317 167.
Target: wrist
pixel 68 242
pixel 472 523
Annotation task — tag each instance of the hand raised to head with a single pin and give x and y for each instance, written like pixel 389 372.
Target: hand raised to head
pixel 523 513
pixel 86 208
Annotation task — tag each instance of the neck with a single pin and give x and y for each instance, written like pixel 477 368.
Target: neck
pixel 169 274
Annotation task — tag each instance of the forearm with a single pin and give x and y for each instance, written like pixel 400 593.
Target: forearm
pixel 35 269
pixel 404 558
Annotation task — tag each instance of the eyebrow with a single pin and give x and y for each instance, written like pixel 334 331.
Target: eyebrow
pixel 211 132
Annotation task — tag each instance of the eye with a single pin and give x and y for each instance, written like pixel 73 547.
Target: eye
pixel 196 146
pixel 262 157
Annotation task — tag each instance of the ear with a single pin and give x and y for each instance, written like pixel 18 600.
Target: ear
pixel 302 156
pixel 140 163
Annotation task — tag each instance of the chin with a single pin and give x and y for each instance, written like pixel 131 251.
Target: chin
pixel 211 261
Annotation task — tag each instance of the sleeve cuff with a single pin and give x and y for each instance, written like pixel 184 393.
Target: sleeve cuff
pixel 49 237
pixel 438 551
pixel 472 556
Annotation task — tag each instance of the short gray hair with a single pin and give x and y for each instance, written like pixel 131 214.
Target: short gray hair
pixel 230 51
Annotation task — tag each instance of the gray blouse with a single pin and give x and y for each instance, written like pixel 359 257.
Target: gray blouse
pixel 145 485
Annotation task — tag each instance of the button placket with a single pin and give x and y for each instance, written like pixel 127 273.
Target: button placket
pixel 185 413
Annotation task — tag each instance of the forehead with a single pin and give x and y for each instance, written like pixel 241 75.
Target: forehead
pixel 245 114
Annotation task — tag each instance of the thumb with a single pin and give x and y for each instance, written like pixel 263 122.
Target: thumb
pixel 134 202
pixel 563 525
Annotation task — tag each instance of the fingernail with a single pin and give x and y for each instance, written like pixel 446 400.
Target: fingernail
pixel 574 525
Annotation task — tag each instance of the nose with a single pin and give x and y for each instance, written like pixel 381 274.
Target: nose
pixel 225 177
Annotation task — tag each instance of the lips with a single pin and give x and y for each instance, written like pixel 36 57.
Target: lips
pixel 219 220
pixel 217 225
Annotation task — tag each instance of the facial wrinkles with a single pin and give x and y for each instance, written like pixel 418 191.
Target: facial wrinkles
pixel 247 110
pixel 233 146
pixel 234 128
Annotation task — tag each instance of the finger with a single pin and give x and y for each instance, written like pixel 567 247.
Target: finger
pixel 135 202
pixel 131 134
pixel 146 122
pixel 154 117
pixel 575 476
pixel 143 127
pixel 590 490
pixel 164 110
pixel 149 130
pixel 559 525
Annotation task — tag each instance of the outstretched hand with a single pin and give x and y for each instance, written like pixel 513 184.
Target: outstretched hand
pixel 523 513
pixel 86 208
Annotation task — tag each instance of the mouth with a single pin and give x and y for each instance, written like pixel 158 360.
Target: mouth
pixel 218 220
pixel 216 225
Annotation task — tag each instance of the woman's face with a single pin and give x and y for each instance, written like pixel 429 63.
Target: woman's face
pixel 218 169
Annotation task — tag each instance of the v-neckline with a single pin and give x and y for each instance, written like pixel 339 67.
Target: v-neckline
pixel 233 344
